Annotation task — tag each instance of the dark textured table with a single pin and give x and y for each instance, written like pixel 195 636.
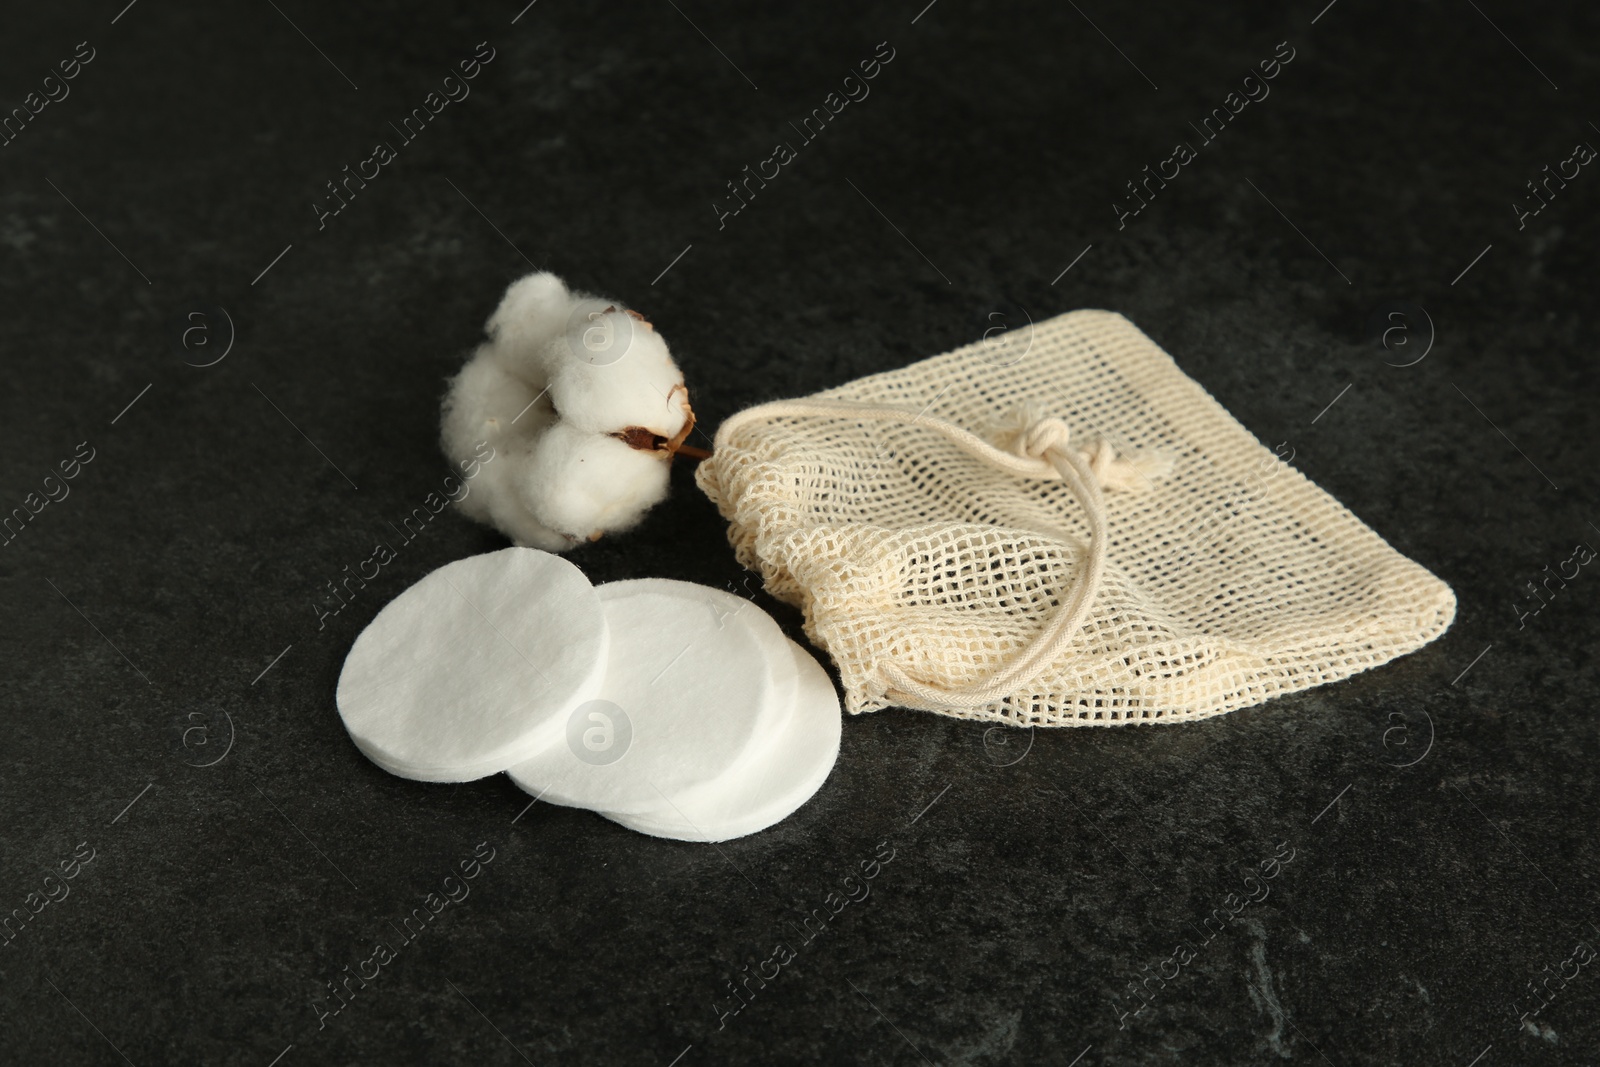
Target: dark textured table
pixel 241 370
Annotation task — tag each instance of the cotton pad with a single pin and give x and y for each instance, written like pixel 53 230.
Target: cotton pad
pixel 725 606
pixel 476 667
pixel 787 771
pixel 697 680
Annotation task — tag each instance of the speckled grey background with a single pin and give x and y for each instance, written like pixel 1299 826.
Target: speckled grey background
pixel 139 615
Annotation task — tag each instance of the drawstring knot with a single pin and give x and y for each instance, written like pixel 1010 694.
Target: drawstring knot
pixel 1041 436
pixel 1032 434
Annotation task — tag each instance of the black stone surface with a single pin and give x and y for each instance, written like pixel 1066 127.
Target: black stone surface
pixel 164 613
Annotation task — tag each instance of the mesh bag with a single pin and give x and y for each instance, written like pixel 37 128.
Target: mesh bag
pixel 1060 530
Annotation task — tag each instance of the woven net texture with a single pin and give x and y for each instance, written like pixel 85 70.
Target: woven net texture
pixel 1229 579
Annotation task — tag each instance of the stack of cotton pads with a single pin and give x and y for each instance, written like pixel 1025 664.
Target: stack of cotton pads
pixel 674 709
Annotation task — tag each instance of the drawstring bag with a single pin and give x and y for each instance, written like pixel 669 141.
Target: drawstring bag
pixel 1062 530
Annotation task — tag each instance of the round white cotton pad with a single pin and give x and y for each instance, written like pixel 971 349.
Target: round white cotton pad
pixel 476 667
pixel 691 687
pixel 726 606
pixel 787 772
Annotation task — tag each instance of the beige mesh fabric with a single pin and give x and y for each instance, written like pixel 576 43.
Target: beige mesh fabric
pixel 961 577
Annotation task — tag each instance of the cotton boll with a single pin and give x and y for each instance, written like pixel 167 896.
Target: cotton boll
pixel 583 407
pixel 634 382
pixel 585 484
pixel 491 421
pixel 497 497
pixel 533 312
pixel 487 403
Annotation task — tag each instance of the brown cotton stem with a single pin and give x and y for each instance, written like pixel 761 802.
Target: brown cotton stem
pixel 643 439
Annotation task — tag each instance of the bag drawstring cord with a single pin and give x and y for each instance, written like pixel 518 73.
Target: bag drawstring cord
pixel 1042 449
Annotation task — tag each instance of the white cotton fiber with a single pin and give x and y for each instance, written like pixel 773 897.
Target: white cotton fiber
pixel 586 483
pixel 496 497
pixel 783 774
pixel 486 401
pixel 492 419
pixel 533 312
pixel 583 406
pixel 696 688
pixel 476 667
pixel 635 384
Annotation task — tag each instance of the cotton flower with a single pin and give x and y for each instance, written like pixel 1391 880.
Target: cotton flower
pixel 584 407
